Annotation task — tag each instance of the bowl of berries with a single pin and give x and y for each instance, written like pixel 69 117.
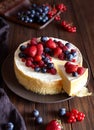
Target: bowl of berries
pixel 33 15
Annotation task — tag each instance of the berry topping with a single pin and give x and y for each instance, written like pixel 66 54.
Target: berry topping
pixel 43 38
pixel 39 49
pixel 38 58
pixel 22 47
pixel 80 70
pixel 33 41
pixel 57 51
pixel 51 44
pixel 71 68
pixel 37 54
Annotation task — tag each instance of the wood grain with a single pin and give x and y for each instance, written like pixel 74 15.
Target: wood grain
pixel 81 13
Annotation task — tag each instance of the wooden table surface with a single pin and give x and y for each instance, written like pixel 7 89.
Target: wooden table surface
pixel 81 13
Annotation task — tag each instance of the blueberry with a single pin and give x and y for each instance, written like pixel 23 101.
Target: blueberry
pixel 68 44
pixel 75 74
pixel 30 20
pixel 66 52
pixel 74 53
pixel 21 55
pixel 22 48
pixel 34 5
pixel 9 126
pixel 62 111
pixel 39 120
pixel 47 50
pixel 35 113
pixel 50 65
pixel 69 57
pixel 46 60
pixel 43 70
pixel 37 69
pixel 33 11
pixel 43 38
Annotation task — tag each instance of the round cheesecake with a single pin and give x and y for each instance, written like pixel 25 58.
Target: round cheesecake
pixel 44 79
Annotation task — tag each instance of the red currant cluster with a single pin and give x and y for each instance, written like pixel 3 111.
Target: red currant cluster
pixel 68 27
pixel 55 9
pixel 74 115
pixel 62 8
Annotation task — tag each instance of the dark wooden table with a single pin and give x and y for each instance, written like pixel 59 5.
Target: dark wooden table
pixel 81 13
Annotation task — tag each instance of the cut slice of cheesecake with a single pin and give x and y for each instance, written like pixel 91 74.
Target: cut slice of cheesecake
pixel 73 84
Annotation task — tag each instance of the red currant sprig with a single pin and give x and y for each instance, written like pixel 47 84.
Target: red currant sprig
pixel 74 115
pixel 61 7
pixel 68 27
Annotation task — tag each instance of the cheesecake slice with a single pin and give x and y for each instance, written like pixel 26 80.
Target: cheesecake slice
pixel 73 80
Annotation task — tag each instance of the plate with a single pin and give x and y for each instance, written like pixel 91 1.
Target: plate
pixel 12 83
pixel 11 10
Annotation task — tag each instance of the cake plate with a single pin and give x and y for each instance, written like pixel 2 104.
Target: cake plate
pixel 12 83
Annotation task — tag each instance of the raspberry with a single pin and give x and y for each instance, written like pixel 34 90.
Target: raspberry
pixel 53 71
pixel 28 63
pixel 80 70
pixel 61 56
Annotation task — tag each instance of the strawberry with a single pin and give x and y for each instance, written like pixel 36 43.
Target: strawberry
pixel 33 41
pixel 32 51
pixel 51 44
pixel 71 68
pixel 39 49
pixel 57 51
pixel 66 64
pixel 54 125
pixel 37 58
pixel 80 70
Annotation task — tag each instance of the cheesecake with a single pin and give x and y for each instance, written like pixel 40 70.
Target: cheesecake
pixel 37 64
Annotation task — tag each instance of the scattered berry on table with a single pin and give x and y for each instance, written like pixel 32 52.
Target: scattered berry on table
pixel 9 126
pixel 54 125
pixel 39 120
pixel 35 113
pixel 62 111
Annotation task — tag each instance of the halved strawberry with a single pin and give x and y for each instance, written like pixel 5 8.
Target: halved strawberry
pixel 57 51
pixel 33 41
pixel 39 49
pixel 32 51
pixel 71 68
pixel 51 44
